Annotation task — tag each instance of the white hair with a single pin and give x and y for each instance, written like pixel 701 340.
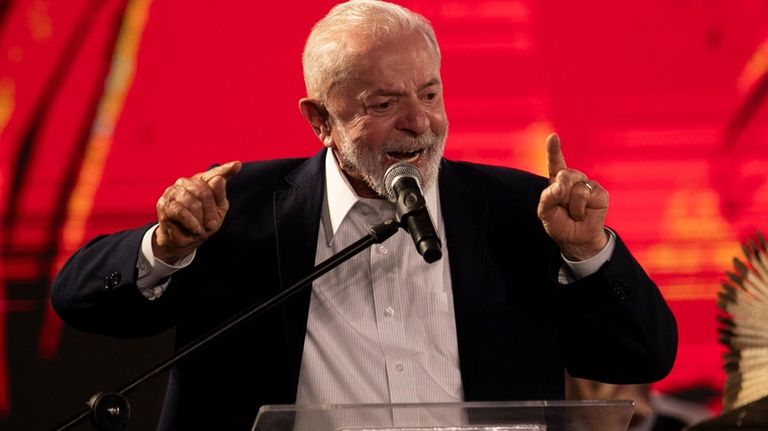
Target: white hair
pixel 329 52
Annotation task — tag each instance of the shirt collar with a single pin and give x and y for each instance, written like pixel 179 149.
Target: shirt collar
pixel 340 197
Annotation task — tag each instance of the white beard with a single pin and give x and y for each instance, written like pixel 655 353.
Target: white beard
pixel 370 167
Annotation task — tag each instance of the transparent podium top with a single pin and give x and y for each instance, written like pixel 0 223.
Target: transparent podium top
pixel 475 416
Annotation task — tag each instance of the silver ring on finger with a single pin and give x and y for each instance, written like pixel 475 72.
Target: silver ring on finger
pixel 588 185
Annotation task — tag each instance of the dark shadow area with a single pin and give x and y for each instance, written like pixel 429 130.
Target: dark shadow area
pixel 45 393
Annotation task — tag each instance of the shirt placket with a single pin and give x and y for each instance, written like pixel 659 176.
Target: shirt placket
pixel 390 319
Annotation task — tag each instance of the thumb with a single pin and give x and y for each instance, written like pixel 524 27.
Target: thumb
pixel 226 171
pixel 217 177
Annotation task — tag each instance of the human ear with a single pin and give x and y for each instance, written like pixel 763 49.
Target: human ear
pixel 318 118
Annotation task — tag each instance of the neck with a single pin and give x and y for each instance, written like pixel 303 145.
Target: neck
pixel 360 187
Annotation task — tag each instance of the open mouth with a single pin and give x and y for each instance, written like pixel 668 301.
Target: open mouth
pixel 405 156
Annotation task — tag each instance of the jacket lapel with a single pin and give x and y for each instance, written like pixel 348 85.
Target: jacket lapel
pixel 465 214
pixel 297 221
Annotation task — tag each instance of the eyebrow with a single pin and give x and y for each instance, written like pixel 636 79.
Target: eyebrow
pixel 431 82
pixel 381 92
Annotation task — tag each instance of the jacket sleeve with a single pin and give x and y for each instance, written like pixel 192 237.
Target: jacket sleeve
pixel 616 325
pixel 96 290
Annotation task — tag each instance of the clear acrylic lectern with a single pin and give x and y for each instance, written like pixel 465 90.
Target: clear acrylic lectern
pixel 485 416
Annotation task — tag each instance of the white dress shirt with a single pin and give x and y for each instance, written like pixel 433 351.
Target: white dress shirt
pixel 381 327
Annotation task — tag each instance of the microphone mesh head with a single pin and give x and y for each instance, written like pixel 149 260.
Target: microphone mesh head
pixel 397 171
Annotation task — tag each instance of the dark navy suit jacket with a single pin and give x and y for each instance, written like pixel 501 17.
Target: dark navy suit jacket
pixel 517 328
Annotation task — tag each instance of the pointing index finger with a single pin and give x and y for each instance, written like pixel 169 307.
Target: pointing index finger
pixel 555 159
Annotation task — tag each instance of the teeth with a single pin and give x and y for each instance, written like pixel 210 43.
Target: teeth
pixel 406 156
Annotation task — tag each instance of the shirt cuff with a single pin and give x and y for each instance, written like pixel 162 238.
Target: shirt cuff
pixel 583 268
pixel 153 273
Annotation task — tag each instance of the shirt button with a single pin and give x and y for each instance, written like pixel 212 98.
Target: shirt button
pixel 382 249
pixel 399 367
pixel 112 280
pixel 389 311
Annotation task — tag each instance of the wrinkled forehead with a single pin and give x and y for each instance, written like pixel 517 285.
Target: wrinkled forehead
pixel 361 40
pixel 365 58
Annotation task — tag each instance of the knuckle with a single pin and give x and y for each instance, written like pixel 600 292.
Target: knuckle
pixel 200 189
pixel 195 205
pixel 172 209
pixel 168 193
pixel 175 193
pixel 206 192
pixel 198 182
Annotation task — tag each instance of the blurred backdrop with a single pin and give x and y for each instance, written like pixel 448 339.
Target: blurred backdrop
pixel 103 103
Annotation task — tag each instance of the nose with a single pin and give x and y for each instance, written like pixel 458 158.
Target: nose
pixel 414 118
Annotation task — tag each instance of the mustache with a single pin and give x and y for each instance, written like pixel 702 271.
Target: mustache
pixel 405 144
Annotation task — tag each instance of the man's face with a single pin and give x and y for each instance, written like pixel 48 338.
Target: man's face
pixel 391 110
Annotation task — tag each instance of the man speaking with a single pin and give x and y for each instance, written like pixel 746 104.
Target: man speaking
pixel 529 283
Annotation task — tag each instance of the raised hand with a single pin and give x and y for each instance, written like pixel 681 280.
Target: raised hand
pixel 573 207
pixel 190 211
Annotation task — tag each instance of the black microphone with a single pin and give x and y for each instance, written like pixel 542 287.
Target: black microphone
pixel 403 184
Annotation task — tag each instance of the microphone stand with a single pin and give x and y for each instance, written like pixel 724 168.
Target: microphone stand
pixel 110 411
